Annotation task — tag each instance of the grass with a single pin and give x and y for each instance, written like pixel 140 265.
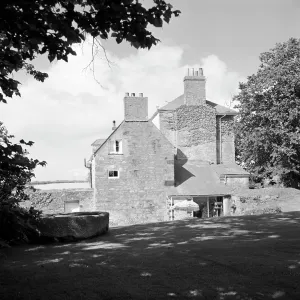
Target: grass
pixel 249 257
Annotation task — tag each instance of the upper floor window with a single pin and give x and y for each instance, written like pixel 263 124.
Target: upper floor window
pixel 116 147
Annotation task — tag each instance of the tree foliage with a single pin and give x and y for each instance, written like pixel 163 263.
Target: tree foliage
pixel 16 170
pixel 29 28
pixel 268 130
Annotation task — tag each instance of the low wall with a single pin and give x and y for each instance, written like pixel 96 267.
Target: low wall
pixel 238 182
pixel 74 226
pixel 254 205
pixel 53 201
pixel 130 216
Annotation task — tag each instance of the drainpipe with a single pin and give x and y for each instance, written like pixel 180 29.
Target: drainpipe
pixel 221 159
pixel 176 133
pixel 90 168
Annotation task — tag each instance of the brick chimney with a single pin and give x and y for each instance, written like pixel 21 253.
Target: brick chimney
pixel 135 107
pixel 194 87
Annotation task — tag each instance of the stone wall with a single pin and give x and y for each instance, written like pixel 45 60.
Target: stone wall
pixel 53 201
pixel 167 125
pixel 227 147
pixel 194 90
pixel 254 205
pixel 146 170
pixel 136 108
pixel 196 131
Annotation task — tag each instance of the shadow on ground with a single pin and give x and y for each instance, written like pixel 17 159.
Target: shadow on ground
pixel 250 257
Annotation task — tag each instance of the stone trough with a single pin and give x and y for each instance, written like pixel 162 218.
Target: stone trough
pixel 73 226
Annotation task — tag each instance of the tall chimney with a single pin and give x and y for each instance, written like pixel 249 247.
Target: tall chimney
pixel 135 107
pixel 194 87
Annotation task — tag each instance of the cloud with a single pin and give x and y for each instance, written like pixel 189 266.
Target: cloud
pixel 221 84
pixel 75 105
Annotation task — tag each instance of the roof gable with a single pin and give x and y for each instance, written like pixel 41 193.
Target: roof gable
pixel 98 142
pixel 161 134
pixel 105 141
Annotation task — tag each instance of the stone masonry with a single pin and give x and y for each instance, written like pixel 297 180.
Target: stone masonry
pixel 225 139
pixel 140 170
pixel 191 128
pixel 145 168
pixel 194 88
pixel 133 170
pixel 53 201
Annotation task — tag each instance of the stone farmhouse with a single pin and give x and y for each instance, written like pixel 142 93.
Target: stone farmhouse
pixel 139 172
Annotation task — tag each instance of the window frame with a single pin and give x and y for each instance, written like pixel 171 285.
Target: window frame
pixel 113 177
pixel 117 145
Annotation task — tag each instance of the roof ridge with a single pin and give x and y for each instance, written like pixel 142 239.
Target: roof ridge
pixel 177 102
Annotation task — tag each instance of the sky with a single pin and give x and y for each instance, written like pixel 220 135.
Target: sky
pixel 76 105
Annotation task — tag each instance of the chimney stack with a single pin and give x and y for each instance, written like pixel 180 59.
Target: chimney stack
pixel 135 107
pixel 194 87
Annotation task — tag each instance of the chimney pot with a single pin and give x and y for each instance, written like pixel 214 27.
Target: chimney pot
pixel 126 94
pixel 132 94
pixel 114 125
pixel 141 95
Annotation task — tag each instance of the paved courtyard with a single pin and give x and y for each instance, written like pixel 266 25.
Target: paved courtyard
pixel 252 257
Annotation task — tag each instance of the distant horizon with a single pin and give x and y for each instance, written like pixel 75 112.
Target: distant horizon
pixel 38 182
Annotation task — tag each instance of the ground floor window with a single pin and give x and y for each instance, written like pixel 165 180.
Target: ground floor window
pixel 113 174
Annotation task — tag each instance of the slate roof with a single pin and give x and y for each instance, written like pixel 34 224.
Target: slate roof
pixel 220 110
pixel 98 142
pixel 194 178
pixel 230 169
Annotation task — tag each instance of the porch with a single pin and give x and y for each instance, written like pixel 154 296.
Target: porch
pixel 209 206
